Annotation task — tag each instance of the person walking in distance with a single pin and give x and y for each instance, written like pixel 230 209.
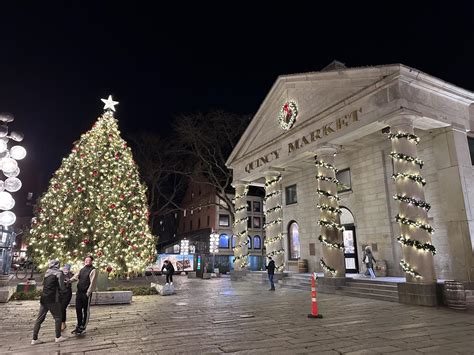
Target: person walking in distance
pixel 86 282
pixel 271 271
pixel 369 260
pixel 169 271
pixel 53 287
pixel 67 294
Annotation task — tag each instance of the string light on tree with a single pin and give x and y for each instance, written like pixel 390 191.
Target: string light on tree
pixel 95 204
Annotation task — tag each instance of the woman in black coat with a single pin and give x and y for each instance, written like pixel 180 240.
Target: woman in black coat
pixel 66 294
pixel 169 271
pixel 369 260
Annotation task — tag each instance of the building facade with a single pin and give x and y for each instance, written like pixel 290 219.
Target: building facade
pixel 386 152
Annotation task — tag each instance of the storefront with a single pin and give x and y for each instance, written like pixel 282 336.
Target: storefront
pixel 349 158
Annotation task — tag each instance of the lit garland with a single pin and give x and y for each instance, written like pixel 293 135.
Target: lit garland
pixel 320 163
pixel 240 220
pixel 328 195
pixel 414 177
pixel 327 268
pixel 95 205
pixel 428 247
pixel 327 178
pixel 278 237
pixel 242 233
pixel 276 252
pixel 324 207
pixel 330 224
pixel 273 181
pixel 407 158
pixel 269 224
pixel 410 200
pixel 406 221
pixel 409 136
pixel 271 210
pixel 270 195
pixel 331 245
pixel 409 270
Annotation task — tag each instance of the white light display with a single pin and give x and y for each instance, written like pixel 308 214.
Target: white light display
pixel 17 152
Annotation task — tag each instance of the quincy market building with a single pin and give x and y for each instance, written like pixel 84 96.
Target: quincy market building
pixel 344 117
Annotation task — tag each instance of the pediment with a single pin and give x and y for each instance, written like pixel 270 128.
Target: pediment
pixel 314 94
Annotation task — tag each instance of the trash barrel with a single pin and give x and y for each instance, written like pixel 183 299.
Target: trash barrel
pixel 455 295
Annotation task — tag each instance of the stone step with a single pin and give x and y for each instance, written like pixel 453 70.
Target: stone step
pixel 364 290
pixel 373 286
pixel 368 295
pixel 372 282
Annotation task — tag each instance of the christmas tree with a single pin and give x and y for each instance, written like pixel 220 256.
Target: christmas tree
pixel 95 205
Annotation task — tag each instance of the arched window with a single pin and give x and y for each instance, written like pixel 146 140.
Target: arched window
pixel 249 242
pixel 234 241
pixel 257 242
pixel 294 241
pixel 224 241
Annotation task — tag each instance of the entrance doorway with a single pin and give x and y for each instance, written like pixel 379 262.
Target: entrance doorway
pixel 350 242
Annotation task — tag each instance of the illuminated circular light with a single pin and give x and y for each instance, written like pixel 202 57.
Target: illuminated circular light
pixel 9 165
pixel 17 152
pixel 13 173
pixel 7 218
pixel 3 146
pixel 6 201
pixel 12 184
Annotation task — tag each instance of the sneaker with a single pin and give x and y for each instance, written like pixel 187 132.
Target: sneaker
pixel 171 284
pixel 35 342
pixel 60 339
pixel 76 330
pixel 166 284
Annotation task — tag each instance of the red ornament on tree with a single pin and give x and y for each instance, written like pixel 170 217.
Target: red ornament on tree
pixel 95 173
pixel 99 253
pixel 86 241
pixel 109 269
pixel 112 205
pixel 79 189
pixel 122 197
pixel 117 156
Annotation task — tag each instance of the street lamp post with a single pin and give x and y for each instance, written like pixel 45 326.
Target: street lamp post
pixel 213 247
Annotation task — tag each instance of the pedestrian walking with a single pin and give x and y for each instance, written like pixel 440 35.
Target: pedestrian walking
pixel 67 294
pixel 369 260
pixel 86 283
pixel 168 266
pixel 271 272
pixel 53 287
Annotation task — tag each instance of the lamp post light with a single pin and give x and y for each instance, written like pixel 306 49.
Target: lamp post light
pixel 213 247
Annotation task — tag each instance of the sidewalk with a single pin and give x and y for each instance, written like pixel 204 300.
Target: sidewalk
pixel 220 316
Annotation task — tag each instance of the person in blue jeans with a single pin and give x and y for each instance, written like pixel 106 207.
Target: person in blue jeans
pixel 271 271
pixel 369 260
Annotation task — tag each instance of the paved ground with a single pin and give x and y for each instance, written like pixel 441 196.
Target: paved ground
pixel 220 316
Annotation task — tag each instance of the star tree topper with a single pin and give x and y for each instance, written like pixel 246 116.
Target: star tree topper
pixel 109 103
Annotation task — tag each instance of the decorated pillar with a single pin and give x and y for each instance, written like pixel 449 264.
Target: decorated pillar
pixel 240 227
pixel 273 217
pixel 332 261
pixel 415 232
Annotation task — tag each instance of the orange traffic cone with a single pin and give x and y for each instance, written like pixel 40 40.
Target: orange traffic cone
pixel 314 302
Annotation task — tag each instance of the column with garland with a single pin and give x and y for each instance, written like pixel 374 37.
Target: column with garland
pixel 241 253
pixel 273 225
pixel 415 232
pixel 332 261
pixel 95 205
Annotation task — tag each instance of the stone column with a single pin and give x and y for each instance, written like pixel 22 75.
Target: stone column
pixel 240 227
pixel 415 232
pixel 330 238
pixel 273 224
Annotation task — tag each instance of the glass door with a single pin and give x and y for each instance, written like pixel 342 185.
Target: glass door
pixel 350 249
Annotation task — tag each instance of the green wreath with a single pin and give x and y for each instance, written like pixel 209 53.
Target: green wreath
pixel 287 115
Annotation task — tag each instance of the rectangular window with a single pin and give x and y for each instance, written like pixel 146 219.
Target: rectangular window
pixel 256 206
pixel 470 141
pixel 344 177
pixel 191 225
pixel 256 222
pixel 199 223
pixel 290 194
pixel 249 205
pixel 208 220
pixel 249 222
pixel 223 220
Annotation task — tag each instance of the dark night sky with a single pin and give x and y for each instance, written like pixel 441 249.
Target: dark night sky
pixel 158 60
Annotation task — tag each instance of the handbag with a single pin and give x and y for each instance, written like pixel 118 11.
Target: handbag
pixel 366 259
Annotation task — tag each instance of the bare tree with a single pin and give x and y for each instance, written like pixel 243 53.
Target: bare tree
pixel 209 139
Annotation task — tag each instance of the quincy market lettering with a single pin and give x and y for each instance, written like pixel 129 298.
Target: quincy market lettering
pixel 312 137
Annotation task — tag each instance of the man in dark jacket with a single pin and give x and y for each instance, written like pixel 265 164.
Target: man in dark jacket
pixel 271 271
pixel 53 286
pixel 86 283
pixel 169 271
